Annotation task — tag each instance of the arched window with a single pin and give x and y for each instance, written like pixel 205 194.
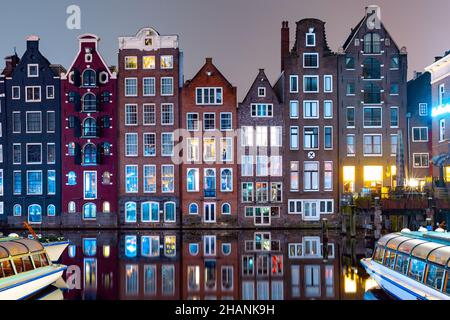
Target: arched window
pixel 371 69
pixel 372 93
pixel 89 102
pixel 35 214
pixel 72 207
pixel 90 128
pixel 130 212
pixel 226 249
pixel 169 212
pixel 150 212
pixel 226 184
pixel 89 211
pixel 106 207
pixel 193 208
pixel 71 149
pixel 226 209
pixel 372 43
pixel 106 178
pixel 72 251
pixel 90 154
pixel 17 210
pixel 51 210
pixel 193 249
pixel 193 180
pixel 89 78
pixel 210 183
pixel 71 178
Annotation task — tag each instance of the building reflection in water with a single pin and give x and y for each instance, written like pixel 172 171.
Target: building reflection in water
pixel 216 265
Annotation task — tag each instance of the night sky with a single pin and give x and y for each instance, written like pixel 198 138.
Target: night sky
pixel 241 35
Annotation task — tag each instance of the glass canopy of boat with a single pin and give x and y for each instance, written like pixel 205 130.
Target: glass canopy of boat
pixel 425 259
pixel 21 255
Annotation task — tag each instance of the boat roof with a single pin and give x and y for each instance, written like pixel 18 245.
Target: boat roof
pixel 10 247
pixel 430 246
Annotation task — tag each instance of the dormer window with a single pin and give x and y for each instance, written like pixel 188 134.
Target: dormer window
pixel 261 92
pixel 148 41
pixel 311 38
pixel 33 70
pixel 89 78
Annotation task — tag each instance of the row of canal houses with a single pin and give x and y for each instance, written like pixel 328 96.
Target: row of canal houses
pixel 137 146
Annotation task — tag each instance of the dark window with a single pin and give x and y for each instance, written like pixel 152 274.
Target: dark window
pixel 89 128
pixel 89 78
pixel 351 88
pixel 350 117
pixel 51 122
pixel 372 43
pixel 90 154
pixel 372 93
pixel 395 88
pixel 371 69
pixel 372 117
pixel 106 122
pixel 349 62
pixel 89 102
pixel 311 60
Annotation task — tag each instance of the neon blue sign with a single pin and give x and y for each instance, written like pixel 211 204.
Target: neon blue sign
pixel 440 110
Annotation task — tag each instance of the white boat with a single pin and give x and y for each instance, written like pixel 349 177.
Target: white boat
pixel 25 268
pixel 55 249
pixel 412 265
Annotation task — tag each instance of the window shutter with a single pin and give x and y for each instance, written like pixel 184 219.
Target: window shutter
pixel 99 127
pixel 99 104
pixel 77 103
pixel 97 80
pixel 76 78
pixel 100 153
pixel 77 129
pixel 77 154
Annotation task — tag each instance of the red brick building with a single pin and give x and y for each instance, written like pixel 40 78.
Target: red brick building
pixel 209 170
pixel 261 179
pixel 89 150
pixel 148 115
pixel 210 266
pixel 308 89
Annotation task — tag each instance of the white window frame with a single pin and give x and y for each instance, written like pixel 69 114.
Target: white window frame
pixel 291 78
pixel 48 96
pixel 26 151
pixel 422 114
pixel 125 87
pixel 304 84
pixel 33 87
pixel 420 129
pixel 311 54
pixel 326 78
pixel 420 155
pixel 173 86
pixel 28 70
pixel 312 102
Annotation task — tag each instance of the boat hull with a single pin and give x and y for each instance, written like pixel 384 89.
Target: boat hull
pixel 400 286
pixel 55 249
pixel 27 286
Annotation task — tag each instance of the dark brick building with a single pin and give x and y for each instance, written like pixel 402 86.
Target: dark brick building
pixel 209 168
pixel 308 88
pixel 261 179
pixel 419 133
pixel 372 109
pixel 31 109
pixel 150 75
pixel 89 140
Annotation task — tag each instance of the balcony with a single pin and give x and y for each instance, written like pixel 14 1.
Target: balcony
pixel 210 193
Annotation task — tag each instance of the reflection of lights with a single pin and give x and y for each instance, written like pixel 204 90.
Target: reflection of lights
pixel 349 284
pixel 370 284
pixel 106 251
pixel 373 173
pixel 413 183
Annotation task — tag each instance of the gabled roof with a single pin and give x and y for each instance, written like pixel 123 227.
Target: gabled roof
pixel 257 83
pixel 355 31
pixel 209 64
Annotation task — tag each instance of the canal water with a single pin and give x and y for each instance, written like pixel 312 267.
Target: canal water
pixel 214 265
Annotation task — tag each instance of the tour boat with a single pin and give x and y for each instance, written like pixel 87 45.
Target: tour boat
pixel 55 249
pixel 412 265
pixel 25 268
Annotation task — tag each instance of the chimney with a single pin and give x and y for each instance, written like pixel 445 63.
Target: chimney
pixel 209 60
pixel 33 42
pixel 10 64
pixel 285 43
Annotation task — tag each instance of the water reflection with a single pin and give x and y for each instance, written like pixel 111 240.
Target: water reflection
pixel 210 265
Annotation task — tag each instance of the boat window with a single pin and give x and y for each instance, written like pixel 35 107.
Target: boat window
pixel 402 263
pixel 422 251
pixel 395 242
pixel 416 269
pixel 389 259
pixel 6 269
pixel 384 240
pixel 447 289
pixel 23 264
pixel 38 261
pixel 435 277
pixel 44 260
pixel 440 256
pixel 15 248
pixel 408 246
pixel 378 256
